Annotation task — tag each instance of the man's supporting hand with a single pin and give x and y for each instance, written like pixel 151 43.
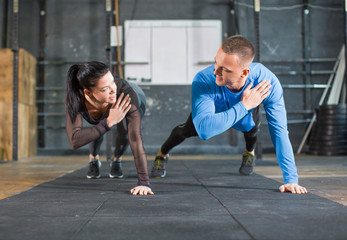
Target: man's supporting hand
pixel 293 188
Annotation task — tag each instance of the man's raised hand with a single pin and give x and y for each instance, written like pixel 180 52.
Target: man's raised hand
pixel 252 97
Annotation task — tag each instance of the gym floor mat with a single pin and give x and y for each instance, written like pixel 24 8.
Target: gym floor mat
pixel 198 199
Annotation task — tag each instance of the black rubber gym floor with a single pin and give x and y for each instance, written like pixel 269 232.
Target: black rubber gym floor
pixel 198 199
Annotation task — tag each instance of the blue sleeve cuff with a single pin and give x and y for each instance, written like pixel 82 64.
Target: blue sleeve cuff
pixel 291 180
pixel 242 108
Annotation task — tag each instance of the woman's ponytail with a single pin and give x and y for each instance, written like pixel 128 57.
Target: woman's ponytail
pixel 74 92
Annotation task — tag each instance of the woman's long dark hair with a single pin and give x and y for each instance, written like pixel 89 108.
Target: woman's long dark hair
pixel 80 77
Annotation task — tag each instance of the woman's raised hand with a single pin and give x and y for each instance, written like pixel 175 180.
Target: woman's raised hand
pixel 119 110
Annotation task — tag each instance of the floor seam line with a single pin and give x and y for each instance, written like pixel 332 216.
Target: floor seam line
pixel 220 202
pixel 86 222
pixel 89 218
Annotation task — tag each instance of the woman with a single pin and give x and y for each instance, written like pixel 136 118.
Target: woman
pixel 93 94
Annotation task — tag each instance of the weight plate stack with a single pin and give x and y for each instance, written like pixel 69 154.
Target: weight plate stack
pixel 329 134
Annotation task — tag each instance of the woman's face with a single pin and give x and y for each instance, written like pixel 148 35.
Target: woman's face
pixel 105 91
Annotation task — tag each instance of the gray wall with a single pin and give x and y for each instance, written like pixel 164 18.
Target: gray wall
pixel 75 31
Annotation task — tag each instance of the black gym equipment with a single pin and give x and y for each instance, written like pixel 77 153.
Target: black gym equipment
pixel 329 134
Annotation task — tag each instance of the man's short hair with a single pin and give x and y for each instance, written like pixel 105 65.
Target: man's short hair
pixel 241 46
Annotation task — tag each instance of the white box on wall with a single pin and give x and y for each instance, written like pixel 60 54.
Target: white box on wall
pixel 115 38
pixel 169 52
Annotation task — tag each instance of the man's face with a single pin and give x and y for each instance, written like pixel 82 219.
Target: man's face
pixel 229 72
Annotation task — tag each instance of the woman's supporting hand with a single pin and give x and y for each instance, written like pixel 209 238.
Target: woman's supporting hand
pixel 141 190
pixel 119 110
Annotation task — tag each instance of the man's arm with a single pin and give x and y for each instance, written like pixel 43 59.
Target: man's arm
pixel 207 122
pixel 277 123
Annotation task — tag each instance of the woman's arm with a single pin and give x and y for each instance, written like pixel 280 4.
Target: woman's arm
pixel 78 135
pixel 135 139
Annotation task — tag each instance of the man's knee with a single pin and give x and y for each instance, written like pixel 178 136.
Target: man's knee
pixel 253 132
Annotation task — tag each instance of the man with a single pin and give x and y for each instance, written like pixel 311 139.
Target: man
pixel 228 94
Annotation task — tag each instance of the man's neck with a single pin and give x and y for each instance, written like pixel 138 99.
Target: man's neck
pixel 233 90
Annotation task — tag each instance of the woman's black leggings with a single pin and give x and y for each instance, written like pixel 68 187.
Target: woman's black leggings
pixel 122 141
pixel 187 130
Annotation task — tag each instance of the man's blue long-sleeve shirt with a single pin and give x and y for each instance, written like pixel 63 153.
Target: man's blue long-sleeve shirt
pixel 216 109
